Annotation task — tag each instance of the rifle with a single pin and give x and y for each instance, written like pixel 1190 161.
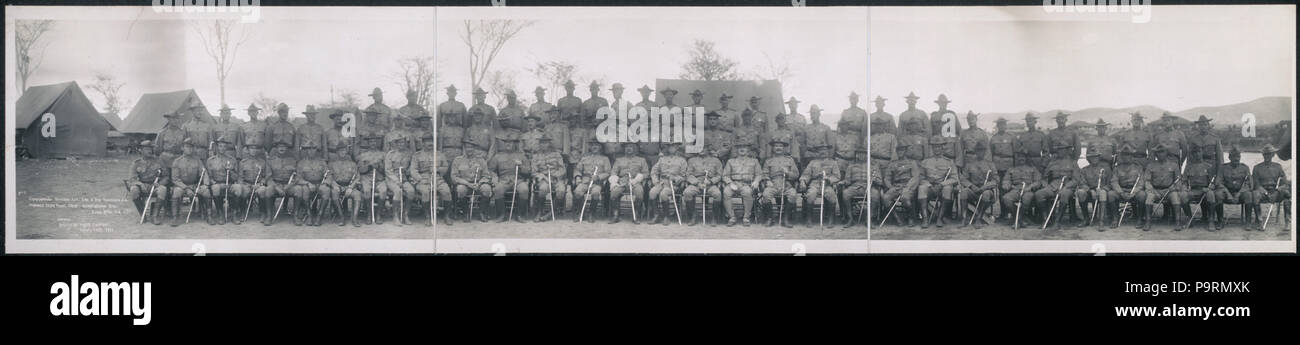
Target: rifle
pixel 821 212
pixel 550 193
pixel 514 194
pixel 286 196
pixel 149 198
pixel 587 196
pixel 1019 201
pixel 1124 208
pixel 632 196
pixel 473 190
pixel 1200 204
pixel 256 179
pixel 1096 201
pixel 978 198
pixel 196 195
pixel 1270 206
pixel 1055 199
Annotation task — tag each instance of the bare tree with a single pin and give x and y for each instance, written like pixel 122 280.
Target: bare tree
pixel 27 34
pixel 221 42
pixel 705 63
pixel 497 84
pixel 107 86
pixel 416 73
pixel 776 69
pixel 554 74
pixel 266 103
pixel 485 39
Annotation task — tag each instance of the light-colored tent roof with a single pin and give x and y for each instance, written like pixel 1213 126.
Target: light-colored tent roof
pixel 147 115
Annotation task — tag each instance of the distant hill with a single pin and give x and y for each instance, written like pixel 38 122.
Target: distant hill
pixel 1267 110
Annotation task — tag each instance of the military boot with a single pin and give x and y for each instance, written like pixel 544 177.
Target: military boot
pixel 154 213
pixel 614 218
pixel 1177 212
pixel 1146 218
pixel 939 222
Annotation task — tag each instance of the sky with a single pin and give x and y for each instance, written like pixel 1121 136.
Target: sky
pixel 294 55
pixel 1013 59
pixel 826 47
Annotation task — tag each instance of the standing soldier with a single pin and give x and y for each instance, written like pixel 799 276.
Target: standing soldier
pixel 1172 137
pixel 511 119
pixel 974 141
pixel 383 115
pixel 481 129
pixel 279 168
pixel 1093 182
pixel 412 110
pixel 611 148
pixel 1135 142
pixel 427 179
pixel 310 133
pixel 171 139
pixel 780 176
pixel 223 170
pixel 512 170
pixel 1161 183
pixel 396 160
pixel 1201 179
pixel 902 178
pixel 937 181
pixel 471 174
pixel 797 121
pixel 200 132
pixel 1020 182
pixel 1054 192
pixel 937 118
pixel 451 112
pixel 1126 187
pixel 451 136
pixel 626 176
pixel 584 183
pixel 717 137
pixel 913 141
pixel 1002 147
pixel 311 175
pixel 1032 144
pixel 281 131
pixel 667 178
pixel 253 174
pixel 548 175
pixel 822 171
pixel 740 176
pixel 570 106
pixel 728 117
pixel 857 176
pixel 587 118
pixel 788 134
pixel 148 173
pixel 979 182
pixel 748 132
pixel 649 149
pixel 1271 186
pixel 343 193
pixel 541 108
pixel 253 133
pixel 370 163
pixel 704 175
pixel 1234 188
pixel 186 174
pixel 759 119
pixel 1062 141
pixel 880 118
pixel 818 134
pixel 1205 145
pixel 227 129
pixel 912 114
pixel 334 139
pixel 1103 144
pixel 854 118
